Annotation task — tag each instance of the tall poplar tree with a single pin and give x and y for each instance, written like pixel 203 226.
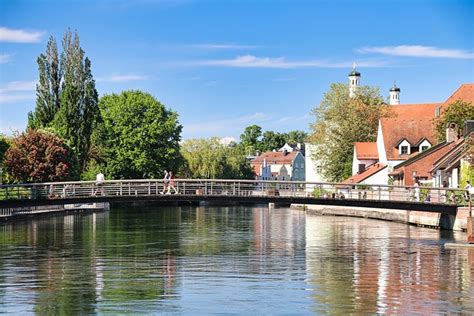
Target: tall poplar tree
pixel 66 98
pixel 48 88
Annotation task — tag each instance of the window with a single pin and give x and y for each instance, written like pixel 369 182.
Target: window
pixel 318 169
pixel 438 112
pixel 404 150
pixel 423 148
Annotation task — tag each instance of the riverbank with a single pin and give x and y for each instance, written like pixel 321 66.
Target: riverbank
pixel 456 222
pixel 16 213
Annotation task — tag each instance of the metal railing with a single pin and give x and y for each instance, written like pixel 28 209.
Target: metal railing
pixel 156 187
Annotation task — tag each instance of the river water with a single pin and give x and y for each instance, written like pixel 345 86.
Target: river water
pixel 234 260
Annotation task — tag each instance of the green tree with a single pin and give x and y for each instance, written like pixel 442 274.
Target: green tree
pixel 210 159
pixel 339 122
pixel 4 145
pixel 294 137
pixel 457 112
pixel 138 136
pixel 39 156
pixel 272 140
pixel 48 88
pixel 66 98
pixel 250 138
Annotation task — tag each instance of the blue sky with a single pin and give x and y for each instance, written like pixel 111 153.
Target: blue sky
pixel 224 65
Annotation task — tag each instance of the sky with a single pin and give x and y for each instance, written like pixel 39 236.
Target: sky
pixel 223 65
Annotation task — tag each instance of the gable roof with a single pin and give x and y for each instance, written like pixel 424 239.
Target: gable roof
pixel 369 171
pixel 276 157
pixel 366 150
pixel 465 92
pixel 412 122
pixel 421 163
pixel 459 150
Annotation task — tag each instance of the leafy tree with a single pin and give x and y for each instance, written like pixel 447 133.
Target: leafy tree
pixel 250 138
pixel 457 112
pixel 4 145
pixel 339 122
pixel 39 156
pixel 210 159
pixel 272 140
pixel 48 89
pixel 139 137
pixel 294 137
pixel 66 96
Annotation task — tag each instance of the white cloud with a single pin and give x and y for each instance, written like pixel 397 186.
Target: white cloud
pixel 12 98
pixel 250 61
pixel 16 91
pixel 418 51
pixel 5 58
pixel 227 140
pixel 15 86
pixel 19 36
pixel 122 78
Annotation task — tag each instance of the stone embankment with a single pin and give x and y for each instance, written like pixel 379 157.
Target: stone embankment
pixel 435 220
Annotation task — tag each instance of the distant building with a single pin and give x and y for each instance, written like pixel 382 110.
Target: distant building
pixel 279 165
pixel 293 147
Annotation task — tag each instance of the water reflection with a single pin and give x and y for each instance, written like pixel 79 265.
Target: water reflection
pixel 233 259
pixel 385 268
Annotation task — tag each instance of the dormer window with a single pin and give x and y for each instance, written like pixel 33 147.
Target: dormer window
pixel 423 145
pixel 404 147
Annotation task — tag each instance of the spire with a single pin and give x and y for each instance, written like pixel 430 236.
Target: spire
pixel 394 94
pixel 354 80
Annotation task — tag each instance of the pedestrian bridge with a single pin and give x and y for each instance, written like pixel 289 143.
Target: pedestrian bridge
pixel 439 200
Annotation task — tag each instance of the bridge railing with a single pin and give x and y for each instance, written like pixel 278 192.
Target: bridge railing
pixel 156 187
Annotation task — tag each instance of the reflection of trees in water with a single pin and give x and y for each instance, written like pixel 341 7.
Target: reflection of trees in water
pixel 365 266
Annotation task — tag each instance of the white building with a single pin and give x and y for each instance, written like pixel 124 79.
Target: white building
pixel 277 165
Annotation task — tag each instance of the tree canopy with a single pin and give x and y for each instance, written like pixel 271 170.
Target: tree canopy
pixel 66 98
pixel 39 156
pixel 457 112
pixel 137 136
pixel 210 159
pixel 339 122
pixel 252 139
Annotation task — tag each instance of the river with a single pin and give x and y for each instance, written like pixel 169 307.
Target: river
pixel 234 260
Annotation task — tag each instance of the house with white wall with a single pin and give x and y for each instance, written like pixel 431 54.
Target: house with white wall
pixel 406 133
pixel 279 165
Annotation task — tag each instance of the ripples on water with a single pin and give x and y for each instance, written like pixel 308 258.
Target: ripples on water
pixel 238 260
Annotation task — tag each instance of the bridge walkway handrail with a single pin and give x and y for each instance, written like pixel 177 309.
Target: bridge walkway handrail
pixel 226 187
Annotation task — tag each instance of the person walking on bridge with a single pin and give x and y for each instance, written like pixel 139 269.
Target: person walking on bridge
pixel 171 183
pixel 165 182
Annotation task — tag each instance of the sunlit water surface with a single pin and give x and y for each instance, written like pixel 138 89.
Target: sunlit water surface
pixel 237 260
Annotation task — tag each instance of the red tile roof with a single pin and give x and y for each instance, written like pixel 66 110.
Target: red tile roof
pixel 369 171
pixel 366 150
pixel 421 164
pixel 465 92
pixel 273 158
pixel 410 121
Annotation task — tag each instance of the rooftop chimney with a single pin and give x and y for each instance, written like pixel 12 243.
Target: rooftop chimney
pixel 451 132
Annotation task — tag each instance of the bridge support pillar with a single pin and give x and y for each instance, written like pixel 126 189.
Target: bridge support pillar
pixel 470 230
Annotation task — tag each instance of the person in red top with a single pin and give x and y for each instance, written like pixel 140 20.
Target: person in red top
pixel 171 183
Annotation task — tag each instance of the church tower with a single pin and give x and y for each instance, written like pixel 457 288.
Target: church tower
pixel 354 81
pixel 395 95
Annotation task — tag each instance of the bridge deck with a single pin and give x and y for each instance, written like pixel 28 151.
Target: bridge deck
pixel 438 200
